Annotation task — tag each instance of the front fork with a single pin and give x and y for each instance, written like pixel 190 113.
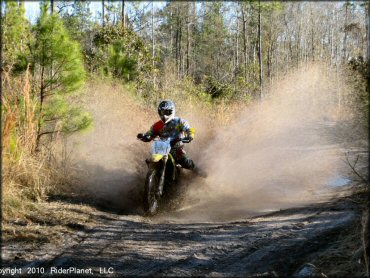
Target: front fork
pixel 163 172
pixel 161 181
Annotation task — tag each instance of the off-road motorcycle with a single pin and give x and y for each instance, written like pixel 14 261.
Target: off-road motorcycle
pixel 163 175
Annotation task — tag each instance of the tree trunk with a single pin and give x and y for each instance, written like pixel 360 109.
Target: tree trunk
pixel 237 49
pixel 188 49
pixel 331 42
pixel 180 50
pixel 194 28
pixel 177 54
pixel 188 42
pixel 171 33
pixel 1 39
pixel 312 37
pixel 254 52
pixel 245 41
pixel 42 98
pixel 312 45
pixel 51 6
pixel 153 44
pixel 366 215
pixel 298 34
pixel 124 14
pixel 367 11
pixel 260 47
pixel 345 35
pixel 269 54
pixel 103 10
pixel 290 51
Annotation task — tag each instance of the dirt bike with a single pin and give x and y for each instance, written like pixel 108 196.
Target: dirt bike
pixel 163 174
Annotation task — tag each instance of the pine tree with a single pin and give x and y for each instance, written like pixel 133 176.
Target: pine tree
pixel 58 64
pixel 15 37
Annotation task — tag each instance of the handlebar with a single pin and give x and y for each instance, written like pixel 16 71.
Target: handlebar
pixel 186 140
pixel 144 138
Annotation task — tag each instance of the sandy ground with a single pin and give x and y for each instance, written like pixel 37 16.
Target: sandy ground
pixel 273 244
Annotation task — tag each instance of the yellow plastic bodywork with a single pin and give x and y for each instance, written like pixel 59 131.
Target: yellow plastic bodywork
pixel 192 132
pixel 156 157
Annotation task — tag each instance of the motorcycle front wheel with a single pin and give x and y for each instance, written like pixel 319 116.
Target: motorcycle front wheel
pixel 150 192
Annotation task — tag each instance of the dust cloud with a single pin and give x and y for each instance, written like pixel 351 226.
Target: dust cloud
pixel 271 155
pixel 276 154
pixel 109 160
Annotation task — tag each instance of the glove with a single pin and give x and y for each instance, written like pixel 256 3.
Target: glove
pixel 143 137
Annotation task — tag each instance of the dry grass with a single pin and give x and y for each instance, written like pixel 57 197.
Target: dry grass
pixel 28 177
pixel 18 115
pixel 48 222
pixel 343 257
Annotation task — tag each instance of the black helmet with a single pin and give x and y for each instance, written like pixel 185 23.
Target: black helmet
pixel 166 110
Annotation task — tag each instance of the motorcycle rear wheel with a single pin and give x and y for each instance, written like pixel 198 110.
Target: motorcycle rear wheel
pixel 151 201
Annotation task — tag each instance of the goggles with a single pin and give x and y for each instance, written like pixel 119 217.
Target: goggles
pixel 165 112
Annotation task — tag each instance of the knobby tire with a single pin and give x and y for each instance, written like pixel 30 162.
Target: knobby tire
pixel 151 201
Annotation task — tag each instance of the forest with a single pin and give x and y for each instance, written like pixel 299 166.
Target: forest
pixel 80 79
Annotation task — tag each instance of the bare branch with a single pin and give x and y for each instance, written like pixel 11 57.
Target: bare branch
pixel 353 167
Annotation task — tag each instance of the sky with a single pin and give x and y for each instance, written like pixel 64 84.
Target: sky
pixel 33 8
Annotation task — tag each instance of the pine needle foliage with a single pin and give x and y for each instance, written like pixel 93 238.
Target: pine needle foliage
pixel 16 31
pixel 58 63
pixel 56 56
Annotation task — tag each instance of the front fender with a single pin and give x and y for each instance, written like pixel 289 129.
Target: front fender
pixel 155 157
pixel 156 161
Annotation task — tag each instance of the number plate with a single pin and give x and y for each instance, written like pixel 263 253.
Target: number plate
pixel 161 147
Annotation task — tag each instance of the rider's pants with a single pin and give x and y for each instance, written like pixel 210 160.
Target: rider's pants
pixel 181 158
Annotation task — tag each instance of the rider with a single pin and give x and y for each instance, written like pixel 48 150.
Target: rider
pixel 173 127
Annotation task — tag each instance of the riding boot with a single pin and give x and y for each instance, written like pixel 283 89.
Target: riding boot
pixel 187 163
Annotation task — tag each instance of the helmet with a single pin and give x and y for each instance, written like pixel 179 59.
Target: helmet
pixel 166 110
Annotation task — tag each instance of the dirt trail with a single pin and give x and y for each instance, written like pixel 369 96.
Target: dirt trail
pixel 131 245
